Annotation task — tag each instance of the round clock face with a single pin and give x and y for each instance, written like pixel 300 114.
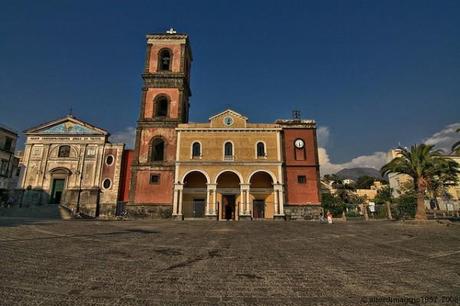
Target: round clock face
pixel 228 121
pixel 299 143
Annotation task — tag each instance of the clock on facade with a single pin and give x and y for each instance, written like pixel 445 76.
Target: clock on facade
pixel 299 143
pixel 228 121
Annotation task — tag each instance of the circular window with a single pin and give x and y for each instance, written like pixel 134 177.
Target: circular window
pixel 109 160
pixel 228 121
pixel 107 183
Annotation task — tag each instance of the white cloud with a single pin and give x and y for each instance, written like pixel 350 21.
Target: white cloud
pixel 442 139
pixel 445 138
pixel 322 134
pixel 375 160
pixel 126 136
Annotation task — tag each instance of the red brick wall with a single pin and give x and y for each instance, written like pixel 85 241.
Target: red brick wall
pixel 147 193
pixel 173 107
pixel 125 176
pixel 308 193
pixel 155 49
pixel 108 171
pixel 168 134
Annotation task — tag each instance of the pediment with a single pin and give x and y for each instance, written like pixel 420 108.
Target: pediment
pixel 228 119
pixel 67 126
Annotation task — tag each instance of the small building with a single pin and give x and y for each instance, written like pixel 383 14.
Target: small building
pixel 8 162
pixel 71 162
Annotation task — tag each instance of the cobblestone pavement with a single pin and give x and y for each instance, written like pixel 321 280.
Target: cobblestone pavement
pixel 58 262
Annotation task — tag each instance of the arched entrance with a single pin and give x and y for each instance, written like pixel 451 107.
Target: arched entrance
pixel 194 195
pixel 228 195
pixel 261 194
pixel 58 184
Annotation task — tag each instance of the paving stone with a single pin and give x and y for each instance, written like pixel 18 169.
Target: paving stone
pixel 77 262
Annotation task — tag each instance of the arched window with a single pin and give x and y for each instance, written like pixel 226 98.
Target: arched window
pixel 64 151
pixel 228 150
pixel 260 149
pixel 164 60
pixel 196 150
pixel 157 151
pixel 161 107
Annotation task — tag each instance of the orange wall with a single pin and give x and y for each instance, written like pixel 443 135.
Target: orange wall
pixel 147 193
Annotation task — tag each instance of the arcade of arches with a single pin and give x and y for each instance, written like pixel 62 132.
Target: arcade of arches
pixel 228 196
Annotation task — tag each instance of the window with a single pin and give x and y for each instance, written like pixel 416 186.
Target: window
pixel 196 150
pixel 91 152
pixel 228 150
pixel 154 179
pixel 260 149
pixel 161 107
pixel 301 179
pixel 158 147
pixel 107 183
pixel 64 151
pixel 165 60
pixel 8 144
pixel 109 160
pixel 3 167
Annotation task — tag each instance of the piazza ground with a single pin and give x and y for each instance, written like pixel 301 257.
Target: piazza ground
pixel 58 262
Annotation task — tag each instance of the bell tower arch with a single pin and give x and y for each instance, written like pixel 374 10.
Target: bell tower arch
pixel 164 105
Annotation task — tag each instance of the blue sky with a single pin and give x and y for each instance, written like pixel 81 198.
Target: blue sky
pixel 372 73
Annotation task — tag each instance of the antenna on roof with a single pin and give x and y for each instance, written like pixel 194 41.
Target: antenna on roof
pixel 296 114
pixel 70 111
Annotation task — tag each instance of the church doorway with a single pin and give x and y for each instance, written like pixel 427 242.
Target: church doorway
pixel 259 209
pixel 57 191
pixel 262 195
pixel 228 194
pixel 228 202
pixel 194 195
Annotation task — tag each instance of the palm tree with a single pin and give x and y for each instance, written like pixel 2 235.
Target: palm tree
pixel 456 146
pixel 445 174
pixel 422 163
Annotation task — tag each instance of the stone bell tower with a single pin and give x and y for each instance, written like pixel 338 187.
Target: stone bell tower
pixel 164 105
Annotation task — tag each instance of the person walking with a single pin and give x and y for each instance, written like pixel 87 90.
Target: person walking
pixel 329 217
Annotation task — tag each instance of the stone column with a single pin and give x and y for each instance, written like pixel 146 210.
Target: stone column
pixel 211 198
pixel 244 203
pixel 177 201
pixel 279 201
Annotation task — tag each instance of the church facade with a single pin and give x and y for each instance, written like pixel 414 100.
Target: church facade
pixel 70 162
pixel 227 168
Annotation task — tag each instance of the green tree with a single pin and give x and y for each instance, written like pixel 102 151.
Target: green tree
pixel 383 195
pixel 445 173
pixel 332 203
pixel 421 162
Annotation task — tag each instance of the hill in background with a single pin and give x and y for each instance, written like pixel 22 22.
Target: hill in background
pixel 355 173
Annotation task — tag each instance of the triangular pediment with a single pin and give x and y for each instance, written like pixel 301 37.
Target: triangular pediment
pixel 228 119
pixel 68 125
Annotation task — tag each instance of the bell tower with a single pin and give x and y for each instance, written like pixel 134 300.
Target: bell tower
pixel 164 105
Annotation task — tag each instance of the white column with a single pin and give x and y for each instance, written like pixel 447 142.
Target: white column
pixel 275 200
pixel 177 200
pixel 180 202
pixel 279 199
pixel 244 199
pixel 211 200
